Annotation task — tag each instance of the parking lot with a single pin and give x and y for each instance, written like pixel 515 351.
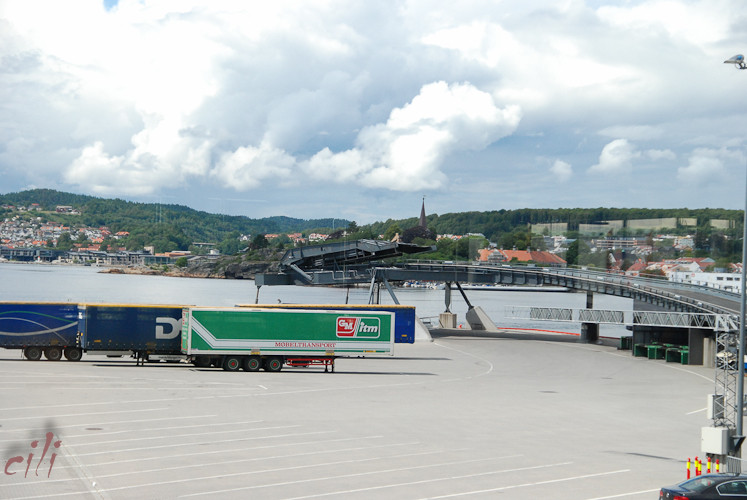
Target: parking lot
pixel 453 418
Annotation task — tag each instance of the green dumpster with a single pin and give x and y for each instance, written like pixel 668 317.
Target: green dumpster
pixel 626 342
pixel 673 355
pixel 640 350
pixel 685 356
pixel 655 351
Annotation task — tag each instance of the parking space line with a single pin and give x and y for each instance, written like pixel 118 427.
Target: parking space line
pixel 287 468
pixel 170 427
pixel 52 417
pixel 368 473
pixel 98 477
pixel 45 429
pixel 172 436
pixel 176 445
pixel 526 485
pixel 623 495
pixel 244 448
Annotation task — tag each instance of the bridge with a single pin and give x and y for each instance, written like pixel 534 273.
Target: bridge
pixel 362 261
pixel 706 319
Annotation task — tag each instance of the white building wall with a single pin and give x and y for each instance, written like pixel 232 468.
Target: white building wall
pixel 731 282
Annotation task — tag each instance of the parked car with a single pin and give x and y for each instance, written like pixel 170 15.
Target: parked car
pixel 707 487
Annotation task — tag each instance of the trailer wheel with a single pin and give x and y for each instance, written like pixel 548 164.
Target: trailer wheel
pixel 231 363
pixel 73 353
pixel 252 363
pixel 53 353
pixel 274 364
pixel 33 353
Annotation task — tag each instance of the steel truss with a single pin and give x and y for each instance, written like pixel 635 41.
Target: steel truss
pixel 717 322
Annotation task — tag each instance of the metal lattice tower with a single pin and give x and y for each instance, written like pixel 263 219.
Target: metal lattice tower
pixel 727 371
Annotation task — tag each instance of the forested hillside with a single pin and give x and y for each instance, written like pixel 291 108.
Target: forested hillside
pixel 157 220
pixel 172 226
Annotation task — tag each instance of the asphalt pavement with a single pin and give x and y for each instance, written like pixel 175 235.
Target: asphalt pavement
pixel 512 416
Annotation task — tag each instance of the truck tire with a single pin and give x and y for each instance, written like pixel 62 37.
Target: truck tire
pixel 274 364
pixel 252 363
pixel 33 353
pixel 231 363
pixel 73 353
pixel 53 353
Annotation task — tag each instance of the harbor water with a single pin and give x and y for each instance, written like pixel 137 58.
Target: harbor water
pixel 61 283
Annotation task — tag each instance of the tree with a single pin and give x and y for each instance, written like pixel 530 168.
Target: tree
pixel 352 227
pixel 181 262
pixel 577 253
pixel 259 241
pixel 64 242
pixel 392 231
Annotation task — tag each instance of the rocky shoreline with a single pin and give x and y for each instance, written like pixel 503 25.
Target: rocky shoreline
pixel 234 270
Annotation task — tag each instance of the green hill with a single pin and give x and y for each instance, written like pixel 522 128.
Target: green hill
pixel 153 220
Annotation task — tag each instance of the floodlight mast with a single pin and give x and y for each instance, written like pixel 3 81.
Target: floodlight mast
pixel 737 61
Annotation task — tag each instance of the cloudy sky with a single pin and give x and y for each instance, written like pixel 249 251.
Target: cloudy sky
pixel 359 109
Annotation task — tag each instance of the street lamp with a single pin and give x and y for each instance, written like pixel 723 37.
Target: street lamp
pixel 739 63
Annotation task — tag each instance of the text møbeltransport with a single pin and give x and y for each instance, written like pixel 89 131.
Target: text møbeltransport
pixel 306 345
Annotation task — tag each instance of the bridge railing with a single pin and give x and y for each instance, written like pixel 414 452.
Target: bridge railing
pixel 717 322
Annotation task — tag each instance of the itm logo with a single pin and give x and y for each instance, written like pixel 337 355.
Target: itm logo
pixel 355 327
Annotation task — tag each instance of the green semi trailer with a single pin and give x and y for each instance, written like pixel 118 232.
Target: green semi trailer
pixel 253 338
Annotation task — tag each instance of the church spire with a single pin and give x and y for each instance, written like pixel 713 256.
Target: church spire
pixel 422 215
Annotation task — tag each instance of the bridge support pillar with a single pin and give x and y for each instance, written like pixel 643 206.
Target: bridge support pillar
pixel 589 331
pixel 702 347
pixel 447 320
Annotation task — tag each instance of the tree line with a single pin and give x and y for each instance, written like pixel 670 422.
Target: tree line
pixel 177 227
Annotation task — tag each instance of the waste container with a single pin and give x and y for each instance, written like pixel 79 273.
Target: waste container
pixel 640 350
pixel 655 351
pixel 673 355
pixel 626 342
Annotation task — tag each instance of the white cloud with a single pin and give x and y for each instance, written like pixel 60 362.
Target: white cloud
pixel 704 166
pixel 407 152
pixel 616 157
pixel 247 167
pixel 189 95
pixel 661 154
pixel 633 132
pixel 697 22
pixel 561 170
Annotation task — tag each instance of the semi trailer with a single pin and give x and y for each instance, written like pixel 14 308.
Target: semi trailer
pixel 149 332
pixel 404 316
pixel 48 328
pixel 254 338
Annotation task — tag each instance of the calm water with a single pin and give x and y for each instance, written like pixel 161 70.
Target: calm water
pixel 40 282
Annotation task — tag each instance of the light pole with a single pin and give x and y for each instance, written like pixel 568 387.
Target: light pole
pixel 739 63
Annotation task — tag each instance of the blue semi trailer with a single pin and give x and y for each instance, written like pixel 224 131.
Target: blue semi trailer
pixel 40 328
pixel 149 332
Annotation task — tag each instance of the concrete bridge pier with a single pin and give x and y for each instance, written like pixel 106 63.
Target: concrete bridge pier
pixel 589 331
pixel 477 319
pixel 447 319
